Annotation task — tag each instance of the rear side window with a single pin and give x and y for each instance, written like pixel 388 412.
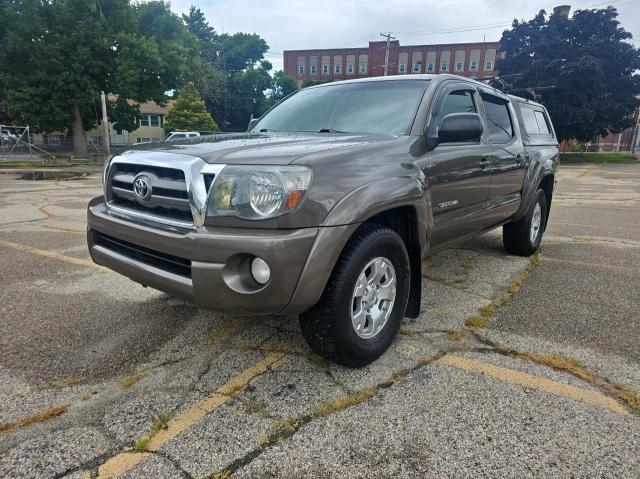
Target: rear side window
pixel 498 118
pixel 529 119
pixel 543 126
pixel 535 121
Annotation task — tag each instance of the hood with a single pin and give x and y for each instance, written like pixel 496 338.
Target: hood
pixel 260 148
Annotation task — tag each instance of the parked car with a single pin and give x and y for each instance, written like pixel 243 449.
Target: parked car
pixel 181 135
pixel 327 206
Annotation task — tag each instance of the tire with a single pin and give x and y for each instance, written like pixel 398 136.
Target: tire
pixel 518 237
pixel 328 327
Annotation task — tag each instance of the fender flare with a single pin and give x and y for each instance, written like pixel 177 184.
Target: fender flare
pixel 344 219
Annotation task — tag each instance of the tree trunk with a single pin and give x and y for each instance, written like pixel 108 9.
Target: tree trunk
pixel 79 137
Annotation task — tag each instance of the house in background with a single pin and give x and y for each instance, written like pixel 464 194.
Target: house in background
pixel 150 123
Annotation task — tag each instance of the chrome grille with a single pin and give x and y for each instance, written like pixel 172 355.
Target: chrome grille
pixel 169 197
pixel 179 186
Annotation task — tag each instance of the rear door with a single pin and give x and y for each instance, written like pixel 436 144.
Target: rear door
pixel 458 172
pixel 506 153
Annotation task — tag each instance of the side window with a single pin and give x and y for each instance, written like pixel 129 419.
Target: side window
pixel 543 126
pixel 498 118
pixel 458 101
pixel 535 121
pixel 529 119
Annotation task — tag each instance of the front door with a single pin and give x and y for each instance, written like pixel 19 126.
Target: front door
pixel 458 173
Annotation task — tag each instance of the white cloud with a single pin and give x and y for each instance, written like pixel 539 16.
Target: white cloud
pixel 299 24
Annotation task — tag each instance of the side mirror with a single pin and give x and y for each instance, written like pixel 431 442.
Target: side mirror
pixel 460 127
pixel 252 123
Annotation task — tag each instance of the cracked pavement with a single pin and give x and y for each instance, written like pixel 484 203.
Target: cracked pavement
pixel 150 386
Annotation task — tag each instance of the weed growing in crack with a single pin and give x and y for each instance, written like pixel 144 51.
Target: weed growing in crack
pixel 343 402
pixel 40 417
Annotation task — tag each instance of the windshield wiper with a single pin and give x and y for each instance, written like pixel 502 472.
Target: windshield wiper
pixel 265 130
pixel 330 130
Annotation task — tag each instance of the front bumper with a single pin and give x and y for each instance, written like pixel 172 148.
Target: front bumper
pixel 209 266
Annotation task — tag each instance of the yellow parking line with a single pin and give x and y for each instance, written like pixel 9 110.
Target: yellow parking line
pixel 529 380
pixel 118 465
pixel 64 228
pixel 50 254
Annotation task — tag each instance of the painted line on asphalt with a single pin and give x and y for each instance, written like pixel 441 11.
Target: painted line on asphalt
pixel 587 264
pixel 64 228
pixel 51 254
pixel 529 380
pixel 121 463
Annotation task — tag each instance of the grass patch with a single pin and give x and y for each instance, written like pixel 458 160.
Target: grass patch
pixel 259 408
pixel 488 310
pixel 224 474
pixel 455 336
pixel 343 402
pixel 131 380
pixel 141 444
pixel 159 422
pixel 37 164
pixel 598 158
pixel 322 363
pixel 40 417
pixel 476 322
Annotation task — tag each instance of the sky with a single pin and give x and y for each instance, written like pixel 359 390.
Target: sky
pixel 302 24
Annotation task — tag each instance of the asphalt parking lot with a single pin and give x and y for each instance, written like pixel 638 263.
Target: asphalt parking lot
pixel 516 367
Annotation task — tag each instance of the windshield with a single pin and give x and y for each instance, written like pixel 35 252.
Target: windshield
pixel 375 107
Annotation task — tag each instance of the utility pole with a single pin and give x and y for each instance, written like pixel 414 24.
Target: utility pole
pixel 105 124
pixel 386 53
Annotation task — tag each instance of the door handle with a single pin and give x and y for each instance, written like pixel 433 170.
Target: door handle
pixel 484 162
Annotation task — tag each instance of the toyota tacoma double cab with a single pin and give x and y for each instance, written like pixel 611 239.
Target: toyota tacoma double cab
pixel 327 205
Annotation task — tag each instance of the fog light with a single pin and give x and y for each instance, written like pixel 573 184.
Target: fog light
pixel 260 270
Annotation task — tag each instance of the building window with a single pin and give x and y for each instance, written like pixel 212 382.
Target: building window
pixel 349 68
pixel 402 68
pixel 143 140
pixel 151 120
pixel 338 68
pixel 473 66
pixel 416 67
pixel 300 69
pixel 459 66
pixel 363 68
pixel 325 69
pixel 313 69
pixel 430 67
pixel 444 66
pixel 488 65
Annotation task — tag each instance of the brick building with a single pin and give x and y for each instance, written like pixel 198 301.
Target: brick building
pixel 466 59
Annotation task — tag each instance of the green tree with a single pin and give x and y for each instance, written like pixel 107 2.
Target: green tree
pixel 189 113
pixel 587 58
pixel 234 89
pixel 281 86
pixel 58 56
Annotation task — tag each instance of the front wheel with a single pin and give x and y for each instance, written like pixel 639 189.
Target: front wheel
pixel 363 304
pixel 523 237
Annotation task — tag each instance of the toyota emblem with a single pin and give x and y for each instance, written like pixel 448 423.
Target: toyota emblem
pixel 142 188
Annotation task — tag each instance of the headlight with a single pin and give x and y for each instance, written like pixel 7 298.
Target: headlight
pixel 258 192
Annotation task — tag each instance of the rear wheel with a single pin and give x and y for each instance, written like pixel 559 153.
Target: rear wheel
pixel 523 237
pixel 363 304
